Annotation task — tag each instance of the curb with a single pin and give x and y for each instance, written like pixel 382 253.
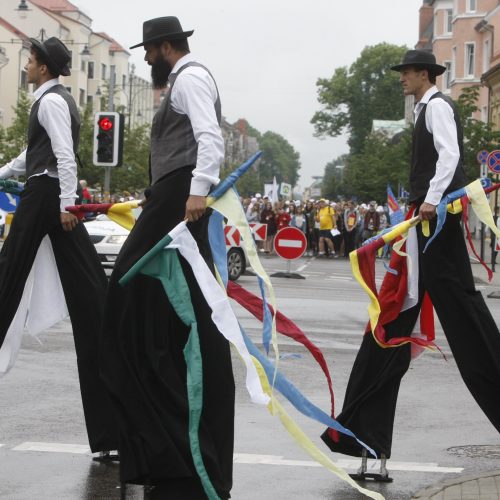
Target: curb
pixel 440 487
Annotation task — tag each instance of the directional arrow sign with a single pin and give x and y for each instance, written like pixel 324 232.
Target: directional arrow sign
pixel 259 231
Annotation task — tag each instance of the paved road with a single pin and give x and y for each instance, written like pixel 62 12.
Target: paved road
pixel 440 432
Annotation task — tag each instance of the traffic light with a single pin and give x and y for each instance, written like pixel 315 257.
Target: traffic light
pixel 108 139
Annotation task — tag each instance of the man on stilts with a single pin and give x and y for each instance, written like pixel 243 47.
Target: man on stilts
pixel 443 272
pixel 49 166
pixel 143 338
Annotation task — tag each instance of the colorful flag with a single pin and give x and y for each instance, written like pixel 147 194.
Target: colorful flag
pixel 395 213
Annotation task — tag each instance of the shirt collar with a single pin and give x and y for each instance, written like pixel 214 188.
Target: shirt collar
pixel 182 61
pixel 427 96
pixel 44 87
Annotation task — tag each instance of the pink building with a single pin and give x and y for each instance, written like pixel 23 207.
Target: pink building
pixel 460 33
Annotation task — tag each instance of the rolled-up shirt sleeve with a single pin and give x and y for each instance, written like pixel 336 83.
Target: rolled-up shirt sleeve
pixel 15 167
pixel 54 117
pixel 440 122
pixel 195 95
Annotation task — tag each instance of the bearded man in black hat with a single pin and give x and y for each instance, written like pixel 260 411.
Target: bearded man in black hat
pixel 49 166
pixel 443 272
pixel 143 338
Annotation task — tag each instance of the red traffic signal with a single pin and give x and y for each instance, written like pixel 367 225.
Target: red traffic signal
pixel 105 124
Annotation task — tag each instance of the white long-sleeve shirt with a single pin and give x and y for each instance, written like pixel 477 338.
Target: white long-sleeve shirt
pixel 440 122
pixel 194 94
pixel 54 117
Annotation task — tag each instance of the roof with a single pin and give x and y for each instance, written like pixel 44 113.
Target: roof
pixel 56 5
pixel 13 29
pixel 115 46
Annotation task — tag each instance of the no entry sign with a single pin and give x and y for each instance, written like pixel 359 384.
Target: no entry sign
pixel 290 243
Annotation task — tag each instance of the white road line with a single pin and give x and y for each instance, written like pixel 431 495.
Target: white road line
pixel 246 458
pixel 255 459
pixel 80 449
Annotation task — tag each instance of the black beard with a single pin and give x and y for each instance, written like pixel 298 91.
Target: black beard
pixel 160 71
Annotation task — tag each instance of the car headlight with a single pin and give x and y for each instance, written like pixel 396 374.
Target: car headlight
pixel 118 239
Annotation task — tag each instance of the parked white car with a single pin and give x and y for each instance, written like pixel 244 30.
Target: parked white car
pixel 107 237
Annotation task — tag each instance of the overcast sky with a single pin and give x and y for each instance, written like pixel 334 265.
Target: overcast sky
pixel 266 55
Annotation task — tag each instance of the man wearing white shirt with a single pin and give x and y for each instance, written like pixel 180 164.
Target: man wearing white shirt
pixel 143 339
pixel 444 272
pixel 49 166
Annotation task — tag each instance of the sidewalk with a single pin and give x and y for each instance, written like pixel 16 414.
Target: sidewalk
pixel 485 486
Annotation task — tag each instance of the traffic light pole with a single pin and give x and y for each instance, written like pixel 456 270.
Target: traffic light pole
pixel 111 107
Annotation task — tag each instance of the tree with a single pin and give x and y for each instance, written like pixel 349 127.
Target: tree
pixel 382 161
pixel 279 159
pixel 332 185
pixel 14 139
pixel 477 134
pixel 353 97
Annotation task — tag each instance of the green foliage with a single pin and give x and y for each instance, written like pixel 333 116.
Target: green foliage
pixel 14 139
pixel 279 159
pixel 332 185
pixel 477 134
pixel 352 98
pixel 366 174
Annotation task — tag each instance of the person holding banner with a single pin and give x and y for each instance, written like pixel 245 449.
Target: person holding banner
pixel 143 339
pixel 442 272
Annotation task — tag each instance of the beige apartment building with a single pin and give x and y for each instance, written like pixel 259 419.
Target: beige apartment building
pixel 461 34
pixel 95 58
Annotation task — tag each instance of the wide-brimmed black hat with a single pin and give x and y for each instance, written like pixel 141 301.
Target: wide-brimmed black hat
pixel 162 28
pixel 421 58
pixel 57 54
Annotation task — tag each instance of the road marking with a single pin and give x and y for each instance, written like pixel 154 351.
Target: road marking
pixel 256 459
pixel 251 459
pixel 80 449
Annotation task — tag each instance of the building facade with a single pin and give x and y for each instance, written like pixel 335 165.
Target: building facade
pixel 96 57
pixel 460 33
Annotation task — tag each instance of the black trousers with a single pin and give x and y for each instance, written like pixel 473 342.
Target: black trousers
pixel 84 284
pixel 372 391
pixel 144 368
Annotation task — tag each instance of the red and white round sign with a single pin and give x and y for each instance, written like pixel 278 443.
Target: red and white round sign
pixel 290 243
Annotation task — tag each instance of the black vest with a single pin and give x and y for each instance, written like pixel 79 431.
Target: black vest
pixel 39 155
pixel 424 156
pixel 173 144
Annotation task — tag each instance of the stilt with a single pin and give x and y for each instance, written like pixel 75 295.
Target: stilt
pixel 363 475
pixel 105 457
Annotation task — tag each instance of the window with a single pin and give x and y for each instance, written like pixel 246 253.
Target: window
pixel 82 66
pixel 82 98
pixel 24 80
pixel 124 81
pixel 453 63
pixel 90 70
pixel 70 64
pixel 68 89
pixel 484 114
pixel 471 5
pixel 470 56
pixel 447 77
pixel 90 101
pixel 486 56
pixel 103 71
pixel 448 21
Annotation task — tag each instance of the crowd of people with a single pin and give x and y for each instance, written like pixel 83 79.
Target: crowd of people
pixel 333 229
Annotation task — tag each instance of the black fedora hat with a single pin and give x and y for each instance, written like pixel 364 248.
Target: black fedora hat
pixel 57 54
pixel 421 58
pixel 162 28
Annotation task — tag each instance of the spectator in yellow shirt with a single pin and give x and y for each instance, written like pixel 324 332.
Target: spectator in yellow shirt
pixel 326 218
